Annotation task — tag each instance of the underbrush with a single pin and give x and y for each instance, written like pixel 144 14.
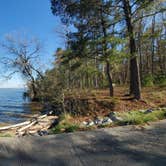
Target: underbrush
pixel 5 135
pixel 148 81
pixel 157 80
pixel 138 117
pixel 65 125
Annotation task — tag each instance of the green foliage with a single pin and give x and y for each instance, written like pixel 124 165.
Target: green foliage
pixel 65 125
pixel 100 37
pixel 137 117
pixel 160 80
pixel 5 135
pixel 65 117
pixel 57 129
pixel 71 128
pixel 51 90
pixel 148 80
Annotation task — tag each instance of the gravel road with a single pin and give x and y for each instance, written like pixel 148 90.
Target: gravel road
pixel 119 146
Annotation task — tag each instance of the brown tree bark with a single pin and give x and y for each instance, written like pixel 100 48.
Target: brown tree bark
pixel 153 45
pixel 111 89
pixel 105 45
pixel 135 87
pixel 140 48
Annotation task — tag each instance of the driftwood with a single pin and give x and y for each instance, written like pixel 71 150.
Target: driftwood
pixel 35 125
pixel 26 127
pixel 15 126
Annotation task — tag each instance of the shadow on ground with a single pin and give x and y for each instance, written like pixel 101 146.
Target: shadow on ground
pixel 122 146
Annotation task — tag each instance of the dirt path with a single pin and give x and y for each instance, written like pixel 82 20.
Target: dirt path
pixel 120 146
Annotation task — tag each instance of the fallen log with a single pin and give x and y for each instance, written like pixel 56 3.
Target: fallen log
pixel 22 124
pixel 15 126
pixel 34 125
pixel 26 127
pixel 42 116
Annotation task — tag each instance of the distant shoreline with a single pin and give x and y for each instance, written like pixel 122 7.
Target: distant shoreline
pixel 14 88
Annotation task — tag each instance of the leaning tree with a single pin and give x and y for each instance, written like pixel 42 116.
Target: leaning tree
pixel 21 57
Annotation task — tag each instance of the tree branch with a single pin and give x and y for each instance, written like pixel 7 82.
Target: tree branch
pixel 149 15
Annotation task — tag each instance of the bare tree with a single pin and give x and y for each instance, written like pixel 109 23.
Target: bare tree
pixel 21 57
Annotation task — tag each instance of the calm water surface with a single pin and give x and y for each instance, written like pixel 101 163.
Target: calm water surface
pixel 12 106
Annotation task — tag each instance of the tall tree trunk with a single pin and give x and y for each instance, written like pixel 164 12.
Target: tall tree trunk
pixel 153 45
pixel 105 45
pixel 140 48
pixel 96 74
pixel 135 87
pixel 111 90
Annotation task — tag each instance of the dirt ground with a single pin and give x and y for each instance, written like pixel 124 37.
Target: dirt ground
pixel 98 102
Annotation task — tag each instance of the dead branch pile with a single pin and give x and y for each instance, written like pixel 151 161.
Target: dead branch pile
pixel 35 126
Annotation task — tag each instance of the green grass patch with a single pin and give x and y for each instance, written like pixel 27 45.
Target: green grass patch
pixel 128 118
pixel 60 128
pixel 138 117
pixel 5 135
pixel 65 125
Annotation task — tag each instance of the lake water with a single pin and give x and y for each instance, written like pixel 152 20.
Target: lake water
pixel 12 106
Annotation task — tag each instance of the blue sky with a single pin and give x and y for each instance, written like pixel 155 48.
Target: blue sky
pixel 33 17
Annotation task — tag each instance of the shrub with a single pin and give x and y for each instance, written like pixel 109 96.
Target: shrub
pixel 65 125
pixel 148 80
pixel 72 128
pixel 60 128
pixel 160 80
pixel 5 135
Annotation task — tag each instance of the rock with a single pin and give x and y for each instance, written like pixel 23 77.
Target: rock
pixel 148 111
pixel 117 119
pixel 84 124
pixel 43 133
pixel 114 117
pixel 112 114
pixel 90 124
pixel 51 113
pixel 54 123
pixel 106 121
pixel 98 121
pixel 87 124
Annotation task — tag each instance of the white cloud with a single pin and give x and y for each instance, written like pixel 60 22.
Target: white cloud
pixel 15 82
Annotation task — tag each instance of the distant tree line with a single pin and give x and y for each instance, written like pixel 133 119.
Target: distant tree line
pixel 112 41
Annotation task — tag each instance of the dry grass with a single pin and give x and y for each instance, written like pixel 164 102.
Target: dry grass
pixel 99 103
pixel 137 117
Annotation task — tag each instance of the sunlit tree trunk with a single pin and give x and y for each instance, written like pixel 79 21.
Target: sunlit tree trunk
pixel 135 88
